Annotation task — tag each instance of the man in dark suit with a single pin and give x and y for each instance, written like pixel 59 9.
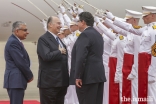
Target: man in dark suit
pixel 87 70
pixel 17 71
pixel 53 78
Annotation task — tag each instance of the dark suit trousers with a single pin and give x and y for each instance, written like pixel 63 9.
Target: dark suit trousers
pixel 53 95
pixel 16 95
pixel 90 93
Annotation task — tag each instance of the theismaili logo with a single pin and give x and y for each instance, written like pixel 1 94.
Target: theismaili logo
pixel 135 99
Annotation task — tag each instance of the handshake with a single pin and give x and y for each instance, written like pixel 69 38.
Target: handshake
pixel 62 50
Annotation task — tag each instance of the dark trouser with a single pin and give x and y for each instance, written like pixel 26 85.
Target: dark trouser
pixel 16 95
pixel 53 95
pixel 90 93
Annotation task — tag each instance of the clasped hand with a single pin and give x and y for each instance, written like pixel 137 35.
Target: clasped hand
pixel 63 50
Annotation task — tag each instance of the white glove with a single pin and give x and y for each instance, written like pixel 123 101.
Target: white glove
pixel 43 21
pixel 96 19
pixel 133 73
pixel 80 10
pixel 75 9
pixel 109 15
pixel 97 13
pixel 62 9
pixel 117 78
pixel 151 79
pixel 70 11
pixel 44 24
pixel 131 77
pixel 60 15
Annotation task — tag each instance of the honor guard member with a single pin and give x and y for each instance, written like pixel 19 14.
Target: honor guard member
pixel 106 54
pixel 60 16
pixel 115 64
pixel 146 61
pixel 130 61
pixel 71 97
pixel 65 16
pixel 44 22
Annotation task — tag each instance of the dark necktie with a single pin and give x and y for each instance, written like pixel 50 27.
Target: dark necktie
pixel 22 44
pixel 57 39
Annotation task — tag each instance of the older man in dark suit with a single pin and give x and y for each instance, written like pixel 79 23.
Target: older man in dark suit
pixel 87 70
pixel 53 78
pixel 17 72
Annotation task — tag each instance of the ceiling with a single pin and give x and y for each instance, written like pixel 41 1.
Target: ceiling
pixel 9 12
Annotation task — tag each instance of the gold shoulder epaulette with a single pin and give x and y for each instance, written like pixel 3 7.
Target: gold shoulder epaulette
pixel 137 27
pixel 77 34
pixel 121 37
pixel 154 27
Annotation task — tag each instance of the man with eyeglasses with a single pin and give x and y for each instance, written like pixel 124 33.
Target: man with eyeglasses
pixel 17 72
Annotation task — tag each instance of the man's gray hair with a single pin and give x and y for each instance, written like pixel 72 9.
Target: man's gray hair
pixel 49 20
pixel 17 24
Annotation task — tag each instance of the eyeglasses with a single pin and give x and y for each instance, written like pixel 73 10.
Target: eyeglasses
pixel 23 30
pixel 78 20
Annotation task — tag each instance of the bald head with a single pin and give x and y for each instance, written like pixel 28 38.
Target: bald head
pixel 51 20
pixel 54 24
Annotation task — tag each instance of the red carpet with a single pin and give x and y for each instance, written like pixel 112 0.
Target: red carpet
pixel 25 102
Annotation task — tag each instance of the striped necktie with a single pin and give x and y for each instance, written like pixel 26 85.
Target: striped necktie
pixel 58 41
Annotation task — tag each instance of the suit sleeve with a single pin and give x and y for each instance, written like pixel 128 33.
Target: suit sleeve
pixel 82 45
pixel 45 53
pixel 18 57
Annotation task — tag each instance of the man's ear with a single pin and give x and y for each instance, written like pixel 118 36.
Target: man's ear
pixel 50 24
pixel 83 22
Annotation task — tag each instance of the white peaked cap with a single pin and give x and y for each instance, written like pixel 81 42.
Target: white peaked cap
pixel 64 28
pixel 132 14
pixel 72 23
pixel 148 10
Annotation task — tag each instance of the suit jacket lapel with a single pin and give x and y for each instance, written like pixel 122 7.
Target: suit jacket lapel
pixel 52 38
pixel 17 40
pixel 26 54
